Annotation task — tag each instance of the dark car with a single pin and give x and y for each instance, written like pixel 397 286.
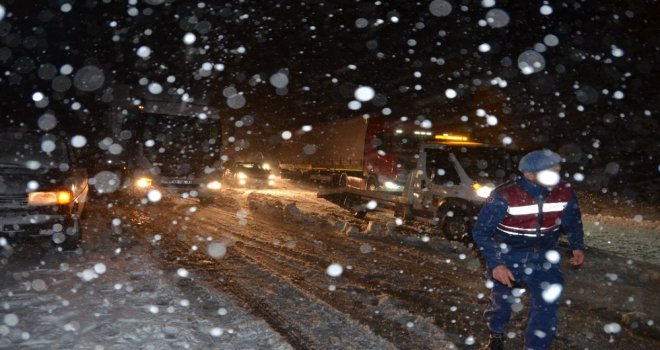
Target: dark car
pixel 249 174
pixel 42 191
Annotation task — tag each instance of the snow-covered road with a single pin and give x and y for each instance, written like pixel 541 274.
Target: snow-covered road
pixel 114 294
pixel 280 268
pixel 629 237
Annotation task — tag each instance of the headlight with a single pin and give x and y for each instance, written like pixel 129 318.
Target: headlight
pixel 265 166
pixel 483 191
pixel 271 177
pixel 214 185
pixel 392 186
pixel 241 176
pixel 49 198
pixel 143 182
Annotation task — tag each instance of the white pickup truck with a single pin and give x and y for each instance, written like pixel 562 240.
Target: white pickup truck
pixel 450 183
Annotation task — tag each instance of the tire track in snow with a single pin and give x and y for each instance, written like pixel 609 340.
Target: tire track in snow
pixel 312 258
pixel 270 235
pixel 373 307
pixel 314 325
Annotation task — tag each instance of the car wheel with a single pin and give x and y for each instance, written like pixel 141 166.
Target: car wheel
pixel 73 236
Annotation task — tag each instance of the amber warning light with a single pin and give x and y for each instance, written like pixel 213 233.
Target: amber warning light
pixel 446 137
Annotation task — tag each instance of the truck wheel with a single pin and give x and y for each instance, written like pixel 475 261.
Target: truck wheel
pixel 372 184
pixel 453 224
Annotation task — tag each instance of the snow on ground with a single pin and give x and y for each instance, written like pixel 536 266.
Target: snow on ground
pixel 618 287
pixel 274 261
pixel 630 235
pixel 115 296
pixel 117 293
pixel 609 290
pixel 632 238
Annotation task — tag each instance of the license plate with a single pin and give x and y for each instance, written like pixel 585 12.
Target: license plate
pixel 176 182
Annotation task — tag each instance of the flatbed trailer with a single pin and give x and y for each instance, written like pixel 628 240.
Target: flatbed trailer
pixel 357 200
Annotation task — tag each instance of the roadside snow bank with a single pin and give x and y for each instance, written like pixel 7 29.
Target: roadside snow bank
pixel 274 207
pixel 633 238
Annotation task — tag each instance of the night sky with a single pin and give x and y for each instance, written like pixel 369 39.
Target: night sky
pixel 595 98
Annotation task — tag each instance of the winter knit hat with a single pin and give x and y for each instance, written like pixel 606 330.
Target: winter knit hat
pixel 535 161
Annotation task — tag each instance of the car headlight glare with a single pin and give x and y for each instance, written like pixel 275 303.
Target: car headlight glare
pixel 241 176
pixel 271 177
pixel 143 182
pixel 392 186
pixel 214 185
pixel 49 198
pixel 483 191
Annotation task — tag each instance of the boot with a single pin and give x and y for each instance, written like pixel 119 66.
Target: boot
pixel 495 342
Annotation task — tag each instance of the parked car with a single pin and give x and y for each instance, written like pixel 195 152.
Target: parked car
pixel 42 190
pixel 249 174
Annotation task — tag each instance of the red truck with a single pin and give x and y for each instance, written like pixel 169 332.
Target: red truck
pixel 371 153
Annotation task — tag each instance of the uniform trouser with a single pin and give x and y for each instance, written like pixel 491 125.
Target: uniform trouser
pixel 543 281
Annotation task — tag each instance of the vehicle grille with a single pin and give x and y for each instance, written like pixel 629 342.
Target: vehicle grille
pixel 13 200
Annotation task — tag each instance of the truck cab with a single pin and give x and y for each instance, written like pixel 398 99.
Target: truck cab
pixel 169 144
pixel 178 150
pixel 450 181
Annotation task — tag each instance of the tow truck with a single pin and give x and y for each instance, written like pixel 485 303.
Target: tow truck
pixel 453 177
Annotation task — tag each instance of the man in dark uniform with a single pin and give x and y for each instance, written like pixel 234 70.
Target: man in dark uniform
pixel 517 232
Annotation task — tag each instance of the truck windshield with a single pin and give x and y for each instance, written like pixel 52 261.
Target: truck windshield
pixel 251 166
pixel 402 148
pixel 33 151
pixel 485 164
pixel 180 145
pixel 489 164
